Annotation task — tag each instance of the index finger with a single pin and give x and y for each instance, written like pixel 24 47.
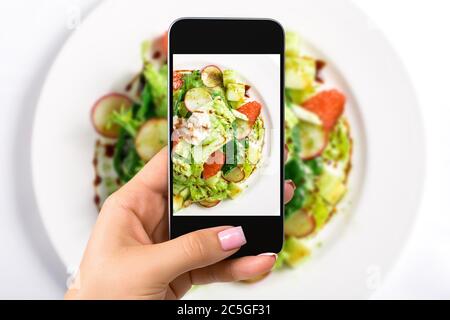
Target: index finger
pixel 152 178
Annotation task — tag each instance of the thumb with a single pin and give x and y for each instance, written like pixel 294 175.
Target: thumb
pixel 196 249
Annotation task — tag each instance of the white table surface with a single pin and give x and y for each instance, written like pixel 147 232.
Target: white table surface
pixel 32 32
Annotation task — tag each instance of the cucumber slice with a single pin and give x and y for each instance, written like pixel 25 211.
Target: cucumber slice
pixel 212 181
pixel 211 76
pixel 102 110
pixel 217 91
pixel 243 129
pixel 300 224
pixel 234 190
pixel 151 138
pixel 313 140
pixel 299 96
pixel 292 46
pixel 229 76
pixel 239 115
pixel 331 187
pixel 300 73
pixel 306 115
pixel 236 104
pixel 184 193
pixel 209 204
pixel 235 91
pixel 294 251
pixel 235 175
pixel 196 98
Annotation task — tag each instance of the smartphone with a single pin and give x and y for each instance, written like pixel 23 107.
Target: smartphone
pixel 226 116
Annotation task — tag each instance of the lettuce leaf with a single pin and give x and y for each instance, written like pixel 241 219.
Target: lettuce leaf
pixel 157 81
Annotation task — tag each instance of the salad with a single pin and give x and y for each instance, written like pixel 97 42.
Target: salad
pixel 132 127
pixel 319 146
pixel 218 136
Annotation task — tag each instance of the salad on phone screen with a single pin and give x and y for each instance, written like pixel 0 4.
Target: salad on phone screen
pixel 218 136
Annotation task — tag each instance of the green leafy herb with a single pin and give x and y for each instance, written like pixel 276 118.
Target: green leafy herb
pixel 316 165
pixel 190 80
pixel 157 85
pixel 231 152
pixel 125 119
pixel 146 109
pixel 295 171
pixel 126 161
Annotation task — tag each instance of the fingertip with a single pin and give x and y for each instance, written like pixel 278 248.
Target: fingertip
pixel 246 269
pixel 289 188
pixel 253 266
pixel 267 260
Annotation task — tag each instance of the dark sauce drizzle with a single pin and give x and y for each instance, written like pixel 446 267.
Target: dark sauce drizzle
pixel 320 64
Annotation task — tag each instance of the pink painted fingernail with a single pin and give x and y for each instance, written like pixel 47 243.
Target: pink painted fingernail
pixel 232 238
pixel 269 254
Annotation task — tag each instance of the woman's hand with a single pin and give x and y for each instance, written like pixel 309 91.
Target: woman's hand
pixel 128 255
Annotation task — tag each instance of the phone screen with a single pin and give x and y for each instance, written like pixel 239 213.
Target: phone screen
pixel 226 124
pixel 226 119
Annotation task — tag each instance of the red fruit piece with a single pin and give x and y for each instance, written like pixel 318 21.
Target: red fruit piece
pixel 328 105
pixel 165 43
pixel 251 110
pixel 159 48
pixel 213 164
pixel 177 80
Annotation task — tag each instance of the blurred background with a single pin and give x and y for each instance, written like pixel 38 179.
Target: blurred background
pixel 32 32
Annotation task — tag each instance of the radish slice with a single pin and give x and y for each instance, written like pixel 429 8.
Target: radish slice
pixel 243 129
pixel 313 140
pixel 212 76
pixel 102 110
pixel 197 98
pixel 151 138
pixel 300 224
pixel 235 175
pixel 209 204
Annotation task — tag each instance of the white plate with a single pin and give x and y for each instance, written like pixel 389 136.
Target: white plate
pixel 362 241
